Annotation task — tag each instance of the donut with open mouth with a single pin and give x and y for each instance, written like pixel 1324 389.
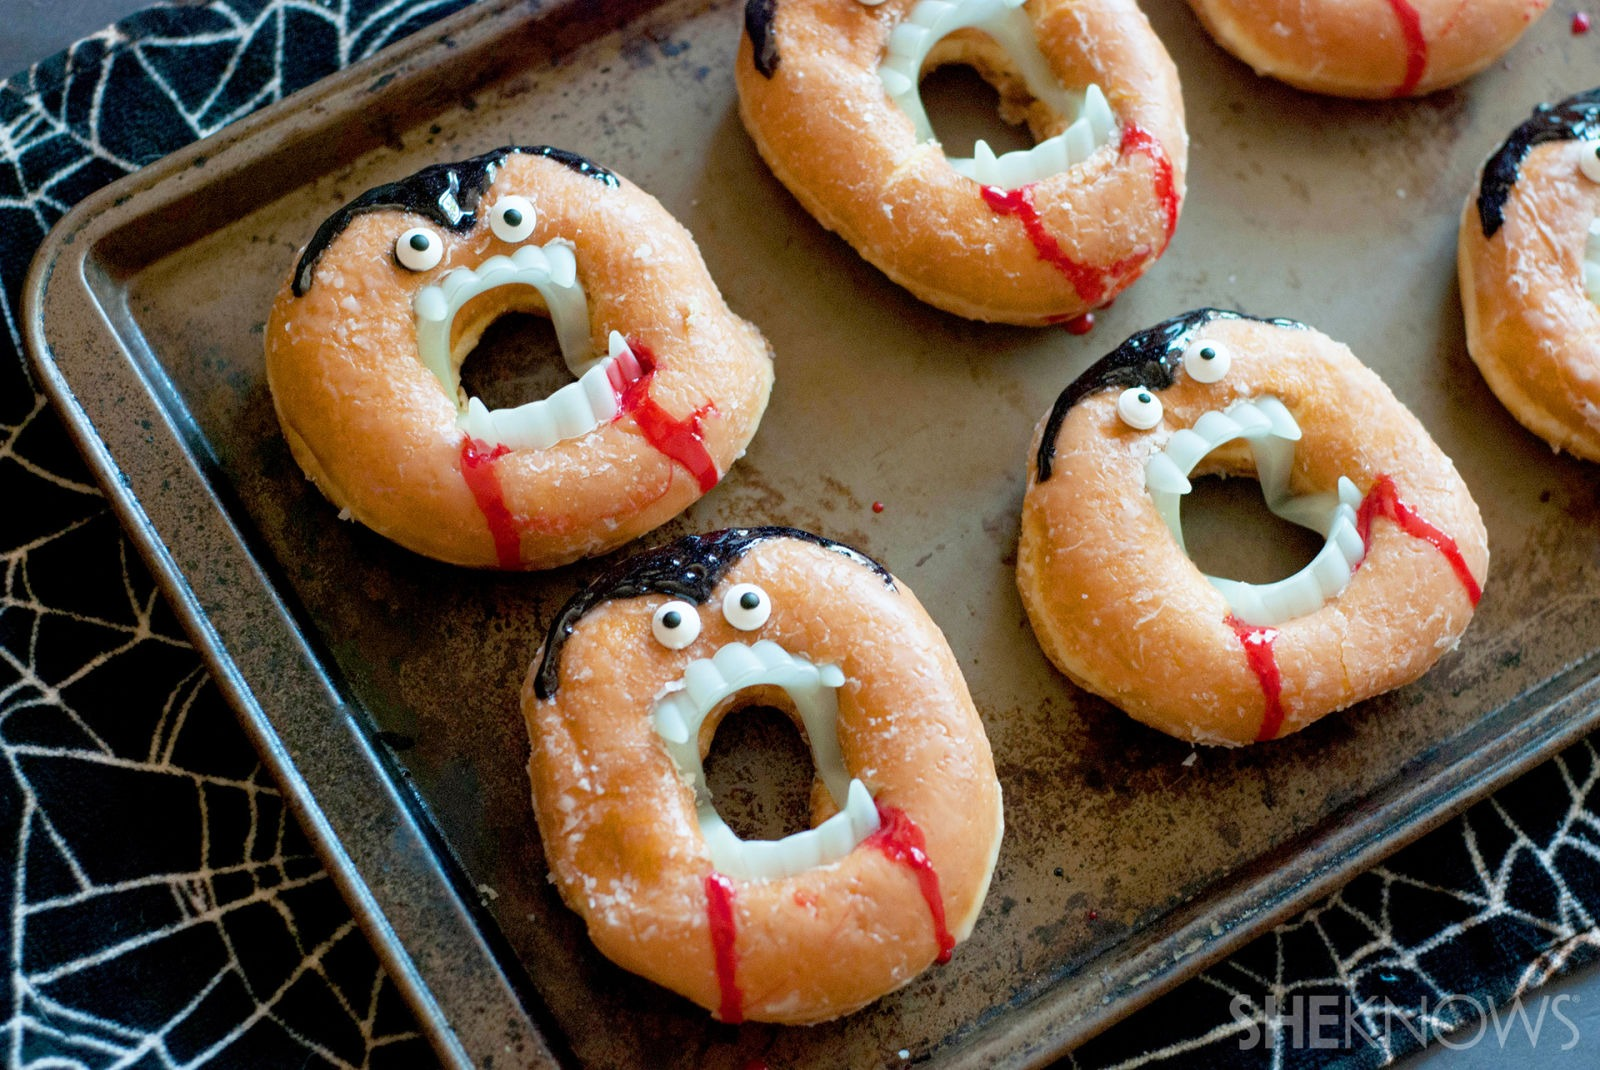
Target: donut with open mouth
pixel 1528 257
pixel 366 338
pixel 1368 48
pixel 829 92
pixel 621 705
pixel 1120 608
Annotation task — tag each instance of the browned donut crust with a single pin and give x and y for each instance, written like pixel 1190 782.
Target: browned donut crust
pixel 826 126
pixel 1120 608
pixel 618 820
pixel 1368 48
pixel 378 433
pixel 1532 327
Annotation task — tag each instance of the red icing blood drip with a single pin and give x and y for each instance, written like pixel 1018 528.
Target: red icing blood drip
pixel 1138 139
pixel 899 838
pixel 1079 324
pixel 1580 22
pixel 1257 643
pixel 680 440
pixel 1384 500
pixel 719 914
pixel 1416 46
pixel 1093 284
pixel 477 468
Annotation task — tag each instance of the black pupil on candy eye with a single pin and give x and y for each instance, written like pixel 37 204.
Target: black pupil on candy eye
pixel 749 600
pixel 512 217
pixel 1208 353
pixel 671 619
pixel 419 242
pixel 1144 399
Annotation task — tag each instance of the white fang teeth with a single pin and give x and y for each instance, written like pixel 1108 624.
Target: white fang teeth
pixel 1160 474
pixel 1271 430
pixel 1091 123
pixel 552 270
pixel 573 411
pixel 680 711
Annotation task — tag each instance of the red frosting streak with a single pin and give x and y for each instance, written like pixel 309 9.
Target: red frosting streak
pixel 1093 284
pixel 899 838
pixel 680 440
pixel 477 468
pixel 1416 46
pixel 1257 643
pixel 1138 139
pixel 719 914
pixel 1384 500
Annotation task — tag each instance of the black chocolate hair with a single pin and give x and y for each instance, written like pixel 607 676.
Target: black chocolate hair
pixel 759 19
pixel 688 568
pixel 1568 120
pixel 446 193
pixel 1149 359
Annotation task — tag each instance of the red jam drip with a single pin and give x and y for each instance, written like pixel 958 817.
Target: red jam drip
pixel 1257 642
pixel 1416 46
pixel 1093 284
pixel 1079 325
pixel 1580 23
pixel 477 468
pixel 899 838
pixel 1384 500
pixel 719 914
pixel 677 439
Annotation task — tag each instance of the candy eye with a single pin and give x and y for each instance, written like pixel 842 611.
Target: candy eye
pixel 1206 361
pixel 746 606
pixel 512 218
pixel 676 625
pixel 1139 408
pixel 418 249
pixel 1589 160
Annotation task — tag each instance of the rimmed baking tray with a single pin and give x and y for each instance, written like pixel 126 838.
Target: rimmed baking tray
pixel 382 687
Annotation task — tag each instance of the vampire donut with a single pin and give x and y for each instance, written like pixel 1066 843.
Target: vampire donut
pixel 1528 257
pixel 365 342
pixel 621 706
pixel 1120 608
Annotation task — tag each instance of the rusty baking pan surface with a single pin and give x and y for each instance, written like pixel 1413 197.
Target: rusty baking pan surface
pixel 383 687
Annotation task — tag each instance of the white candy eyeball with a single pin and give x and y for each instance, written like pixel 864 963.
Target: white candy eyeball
pixel 676 625
pixel 1139 408
pixel 746 606
pixel 1589 160
pixel 418 249
pixel 512 218
pixel 1207 361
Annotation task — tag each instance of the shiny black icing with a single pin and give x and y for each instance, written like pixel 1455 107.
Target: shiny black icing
pixel 1577 117
pixel 760 17
pixel 688 568
pixel 1149 359
pixel 446 193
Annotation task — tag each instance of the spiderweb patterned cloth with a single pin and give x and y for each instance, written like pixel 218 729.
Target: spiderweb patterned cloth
pixel 166 911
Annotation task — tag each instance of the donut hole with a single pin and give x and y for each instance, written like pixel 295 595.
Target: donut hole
pixel 515 360
pixel 963 108
pixel 971 89
pixel 1229 532
pixel 758 766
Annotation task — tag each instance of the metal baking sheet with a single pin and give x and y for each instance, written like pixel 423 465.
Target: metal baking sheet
pixel 383 687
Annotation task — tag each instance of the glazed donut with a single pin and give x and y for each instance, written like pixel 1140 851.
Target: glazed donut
pixel 365 342
pixel 828 91
pixel 1120 608
pixel 1368 48
pixel 1528 258
pixel 621 706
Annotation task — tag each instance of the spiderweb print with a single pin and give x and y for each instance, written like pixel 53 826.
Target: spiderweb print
pixel 165 909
